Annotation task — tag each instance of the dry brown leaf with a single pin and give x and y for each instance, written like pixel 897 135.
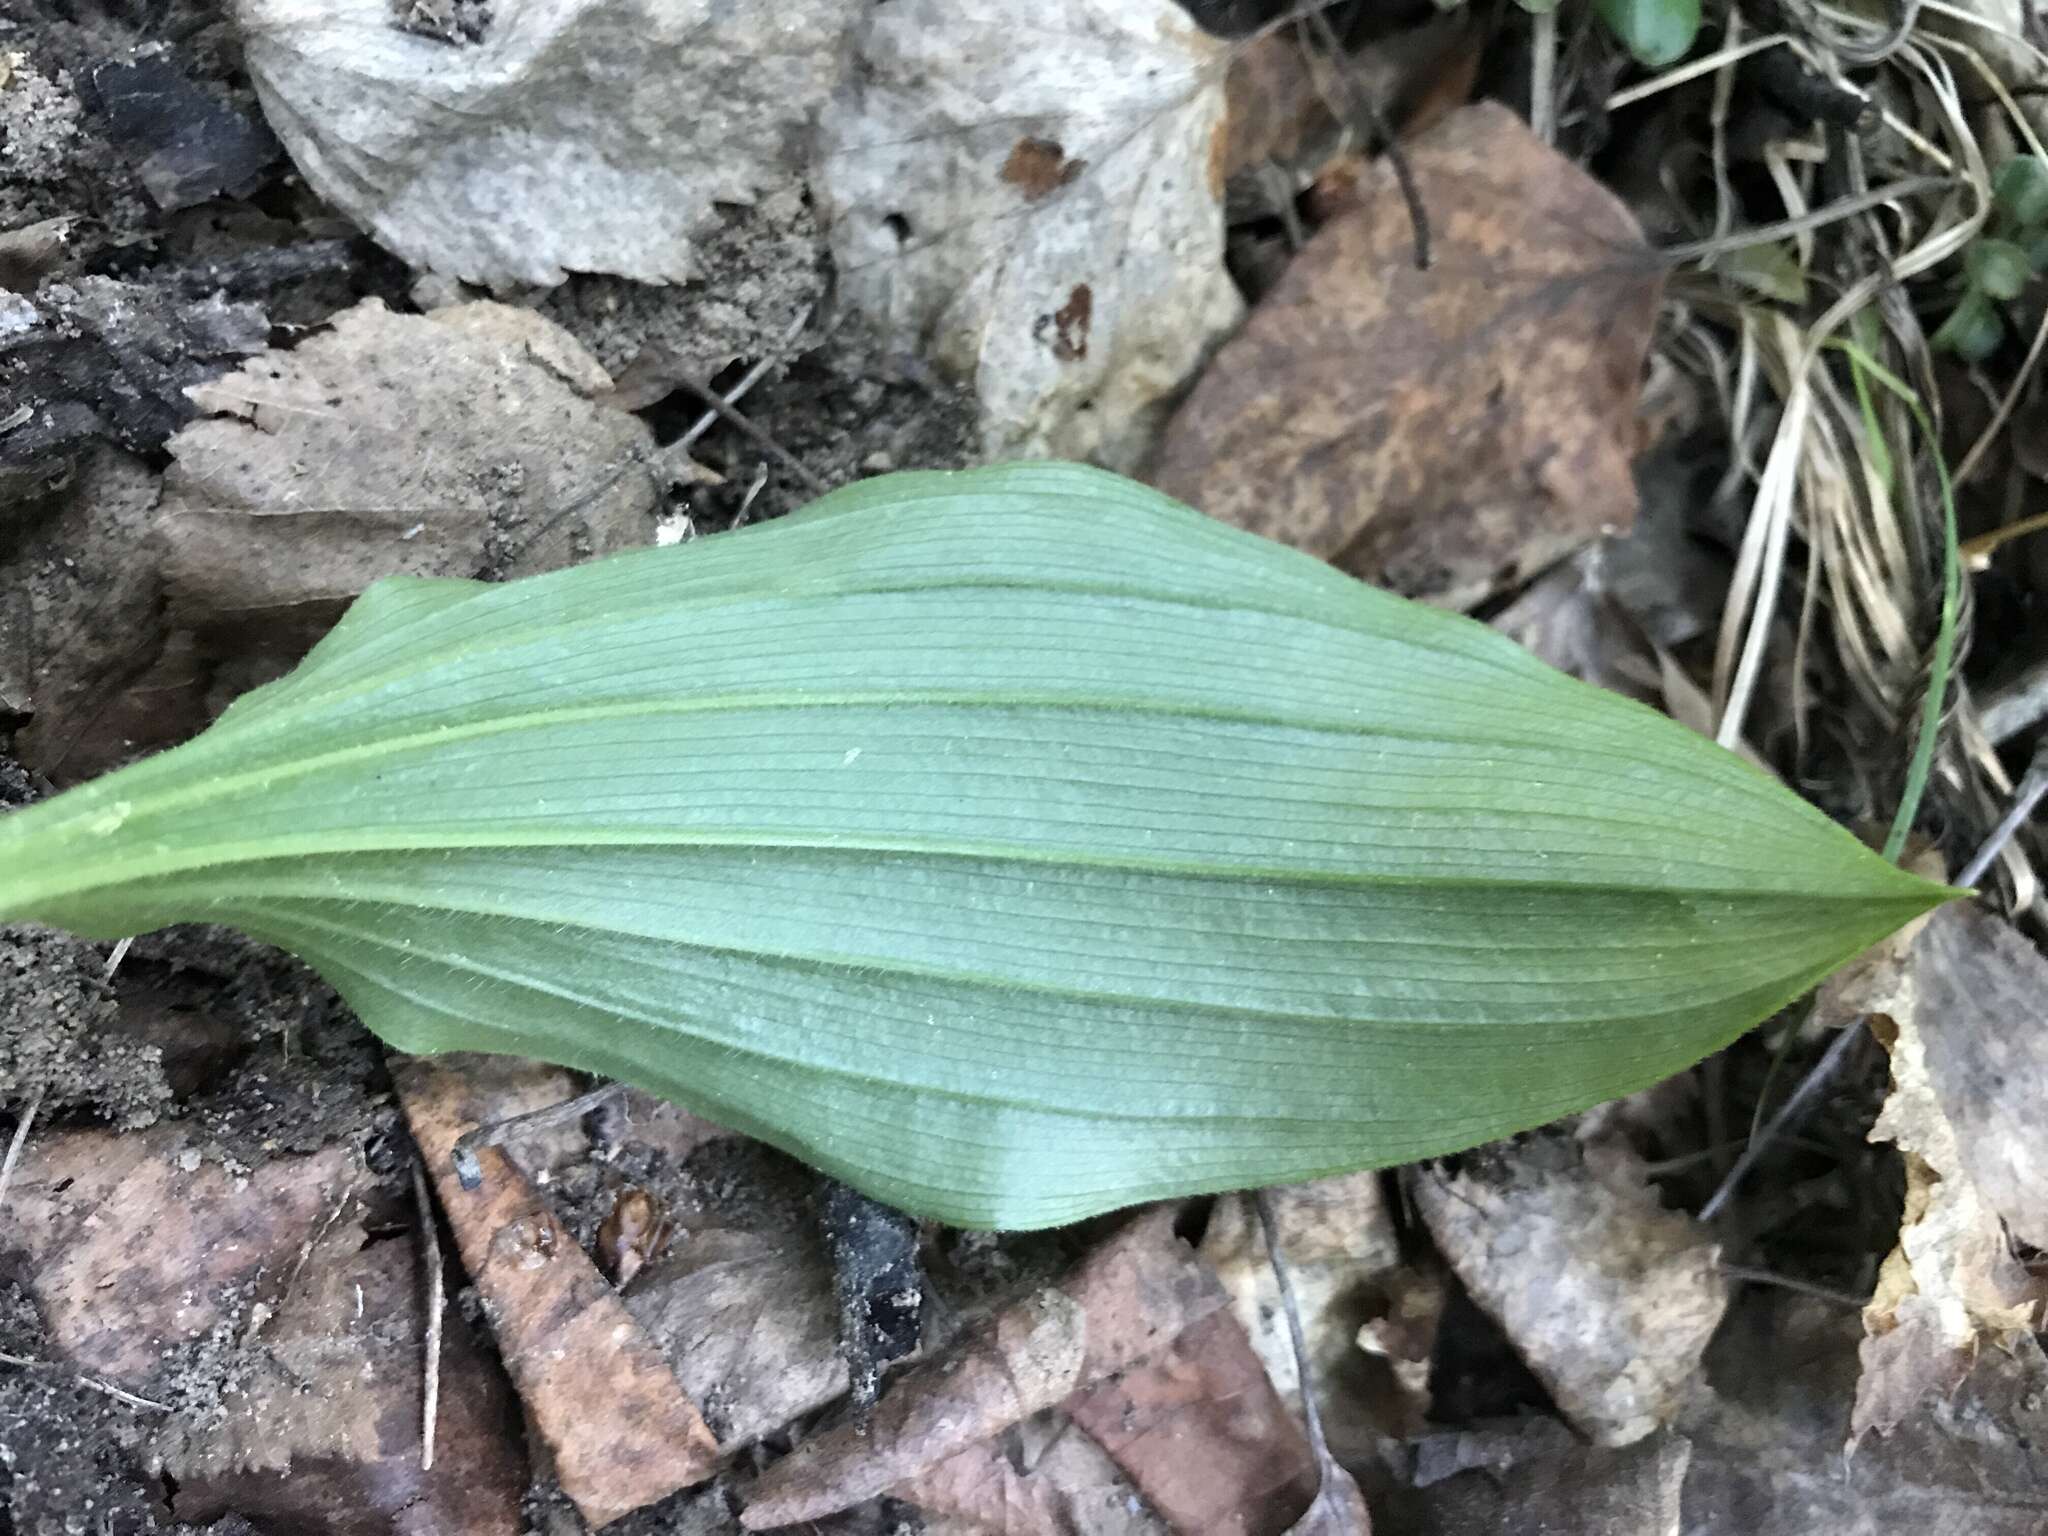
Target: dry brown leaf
pixel 1538 1479
pixel 322 1428
pixel 1952 1287
pixel 1026 1359
pixel 1200 1430
pixel 1444 432
pixel 134 1245
pixel 742 1302
pixel 1345 1260
pixel 621 1432
pixel 1272 107
pixel 1609 1297
pixel 1041 1478
pixel 1136 1292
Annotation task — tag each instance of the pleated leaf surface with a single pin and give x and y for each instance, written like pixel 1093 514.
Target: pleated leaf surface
pixel 1014 844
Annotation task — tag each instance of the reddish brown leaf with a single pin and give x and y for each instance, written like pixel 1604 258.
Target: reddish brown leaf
pixel 1135 1293
pixel 1053 1482
pixel 1204 1436
pixel 622 1432
pixel 323 1433
pixel 133 1243
pixel 1440 432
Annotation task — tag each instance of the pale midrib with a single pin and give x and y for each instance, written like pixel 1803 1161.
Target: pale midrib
pixel 217 787
pixel 24 896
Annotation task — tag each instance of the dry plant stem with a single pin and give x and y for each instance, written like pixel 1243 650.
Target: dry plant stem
pixel 1374 126
pixel 1543 76
pixel 470 1172
pixel 1755 1276
pixel 1785 229
pixel 1311 1415
pixel 2006 406
pixel 1717 121
pixel 2026 799
pixel 28 1118
pixel 1793 1108
pixel 2018 705
pixel 1719 59
pixel 748 380
pixel 27 1362
pixel 1863 55
pixel 437 1301
pixel 753 430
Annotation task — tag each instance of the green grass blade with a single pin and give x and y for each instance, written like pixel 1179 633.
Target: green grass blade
pixel 1014 845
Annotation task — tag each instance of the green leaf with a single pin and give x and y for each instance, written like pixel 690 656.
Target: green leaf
pixel 1772 270
pixel 1657 32
pixel 1998 268
pixel 2020 191
pixel 1974 329
pixel 1014 845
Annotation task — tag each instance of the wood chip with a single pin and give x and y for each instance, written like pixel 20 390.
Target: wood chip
pixel 597 1390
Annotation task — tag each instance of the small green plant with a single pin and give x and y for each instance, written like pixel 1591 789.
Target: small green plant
pixel 1013 845
pixel 1657 32
pixel 1999 264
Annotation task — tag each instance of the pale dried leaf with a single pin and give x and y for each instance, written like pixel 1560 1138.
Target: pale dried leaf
pixel 1609 1297
pixel 1952 1286
pixel 570 136
pixel 456 445
pixel 1343 1254
pixel 1984 1013
pixel 1537 1479
pixel 742 1302
pixel 1767 1442
pixel 1067 259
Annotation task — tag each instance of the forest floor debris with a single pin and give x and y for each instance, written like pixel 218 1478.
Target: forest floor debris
pixel 296 294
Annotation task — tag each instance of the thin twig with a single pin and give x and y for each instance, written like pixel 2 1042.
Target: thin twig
pixel 1794 1107
pixel 1263 1202
pixel 28 1118
pixel 430 1409
pixel 1788 1283
pixel 754 431
pixel 29 1362
pixel 2026 799
pixel 748 380
pixel 119 954
pixel 2006 405
pixel 1367 111
pixel 470 1172
pixel 1543 76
